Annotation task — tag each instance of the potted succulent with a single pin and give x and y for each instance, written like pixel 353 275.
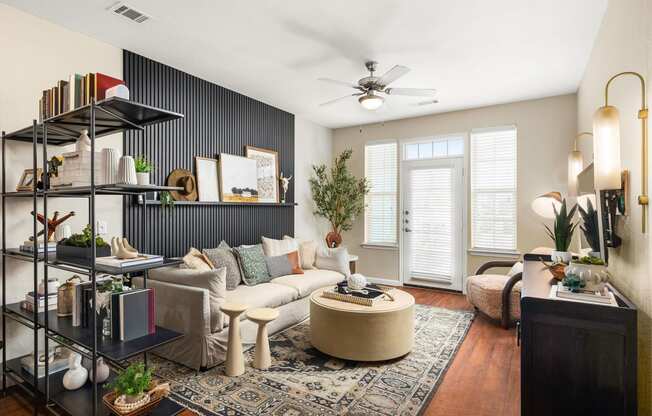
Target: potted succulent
pixel 562 233
pixel 339 197
pixel 590 227
pixel 143 168
pixel 130 387
pixel 78 247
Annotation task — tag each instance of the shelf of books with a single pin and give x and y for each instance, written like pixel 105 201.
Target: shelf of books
pixel 75 402
pixel 102 317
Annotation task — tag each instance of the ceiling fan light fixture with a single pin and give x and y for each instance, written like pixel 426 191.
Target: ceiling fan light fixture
pixel 371 101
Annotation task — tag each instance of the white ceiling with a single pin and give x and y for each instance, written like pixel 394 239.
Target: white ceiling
pixel 474 52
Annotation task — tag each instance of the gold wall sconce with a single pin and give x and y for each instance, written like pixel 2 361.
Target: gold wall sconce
pixel 575 165
pixel 606 146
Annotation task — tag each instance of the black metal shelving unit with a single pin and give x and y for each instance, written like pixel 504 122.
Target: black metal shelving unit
pixel 101 118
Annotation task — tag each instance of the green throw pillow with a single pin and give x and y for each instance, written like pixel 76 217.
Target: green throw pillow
pixel 252 262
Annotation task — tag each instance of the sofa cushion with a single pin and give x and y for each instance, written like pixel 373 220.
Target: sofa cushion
pixel 264 295
pixel 278 265
pixel 335 259
pixel 307 252
pixel 223 256
pixel 196 260
pixel 214 281
pixel 310 281
pixel 252 263
pixel 273 247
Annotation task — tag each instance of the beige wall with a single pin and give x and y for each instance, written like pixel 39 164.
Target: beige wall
pixel 624 43
pixel 313 145
pixel 36 54
pixel 545 129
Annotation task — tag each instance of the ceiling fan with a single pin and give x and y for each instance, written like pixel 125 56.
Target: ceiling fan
pixel 370 88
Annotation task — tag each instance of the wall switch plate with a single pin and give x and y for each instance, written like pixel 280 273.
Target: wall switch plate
pixel 102 227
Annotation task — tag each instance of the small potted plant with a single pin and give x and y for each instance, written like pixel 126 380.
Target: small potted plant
pixel 130 388
pixel 143 168
pixel 78 248
pixel 562 233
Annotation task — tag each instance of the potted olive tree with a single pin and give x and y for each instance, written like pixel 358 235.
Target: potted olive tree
pixel 562 233
pixel 339 197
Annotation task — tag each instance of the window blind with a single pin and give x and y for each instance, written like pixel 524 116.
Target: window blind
pixel 381 170
pixel 493 189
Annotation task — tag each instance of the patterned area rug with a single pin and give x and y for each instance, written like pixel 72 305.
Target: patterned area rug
pixel 302 381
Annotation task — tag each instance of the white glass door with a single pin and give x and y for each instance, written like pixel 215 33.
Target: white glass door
pixel 432 222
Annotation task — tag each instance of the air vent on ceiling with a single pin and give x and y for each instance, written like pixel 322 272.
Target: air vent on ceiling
pixel 129 12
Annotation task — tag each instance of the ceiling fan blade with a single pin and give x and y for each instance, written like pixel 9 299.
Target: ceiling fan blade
pixel 429 102
pixel 413 92
pixel 339 99
pixel 340 83
pixel 393 74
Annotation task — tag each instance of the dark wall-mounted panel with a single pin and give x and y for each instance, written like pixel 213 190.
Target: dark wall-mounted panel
pixel 217 120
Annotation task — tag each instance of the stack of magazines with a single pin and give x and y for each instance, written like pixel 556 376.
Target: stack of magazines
pixel 31 301
pixel 561 292
pixel 367 296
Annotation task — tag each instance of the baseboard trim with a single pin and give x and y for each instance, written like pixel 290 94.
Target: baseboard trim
pixel 381 281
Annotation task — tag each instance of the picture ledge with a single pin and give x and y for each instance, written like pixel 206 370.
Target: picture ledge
pixel 178 203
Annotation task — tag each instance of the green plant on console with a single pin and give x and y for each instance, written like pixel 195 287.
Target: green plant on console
pixel 83 239
pixel 133 381
pixel 590 227
pixel 563 227
pixel 143 165
pixel 596 261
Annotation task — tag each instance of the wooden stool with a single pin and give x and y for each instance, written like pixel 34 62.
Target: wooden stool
pixel 234 357
pixel 262 316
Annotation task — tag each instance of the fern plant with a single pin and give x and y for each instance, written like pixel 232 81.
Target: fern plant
pixel 133 381
pixel 339 197
pixel 563 228
pixel 590 227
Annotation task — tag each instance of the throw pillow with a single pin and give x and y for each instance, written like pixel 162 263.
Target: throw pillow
pixel 223 256
pixel 252 262
pixel 516 268
pixel 307 252
pixel 214 281
pixel 273 248
pixel 335 259
pixel 196 260
pixel 278 266
pixel 294 261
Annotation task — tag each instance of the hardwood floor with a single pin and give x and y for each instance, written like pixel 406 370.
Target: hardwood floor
pixel 482 380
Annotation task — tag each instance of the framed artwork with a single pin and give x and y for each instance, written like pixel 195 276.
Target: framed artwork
pixel 266 172
pixel 238 179
pixel 207 183
pixel 28 180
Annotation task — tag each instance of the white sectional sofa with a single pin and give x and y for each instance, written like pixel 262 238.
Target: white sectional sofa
pixel 187 310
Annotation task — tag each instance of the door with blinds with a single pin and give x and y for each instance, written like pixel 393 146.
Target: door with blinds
pixel 432 222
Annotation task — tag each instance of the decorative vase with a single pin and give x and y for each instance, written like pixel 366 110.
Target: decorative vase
pixel 561 256
pixel 62 231
pixel 111 160
pixel 333 239
pixel 356 281
pixel 76 375
pixel 83 143
pixel 127 171
pixel 102 371
pixel 64 296
pixel 142 178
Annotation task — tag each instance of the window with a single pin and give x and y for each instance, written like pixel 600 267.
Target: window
pixel 381 170
pixel 493 189
pixel 432 148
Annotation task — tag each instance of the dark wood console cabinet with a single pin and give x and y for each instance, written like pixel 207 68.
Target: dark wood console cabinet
pixel 576 358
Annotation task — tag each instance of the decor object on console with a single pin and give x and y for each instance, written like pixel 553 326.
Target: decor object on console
pixel 356 281
pixel 606 147
pixel 76 375
pixel 238 179
pixel 83 143
pixel 591 271
pixel 563 232
pixel 28 180
pixel 65 296
pixel 262 316
pixel 127 171
pixel 53 223
pixel 339 197
pixel 266 172
pixel 78 248
pixel 102 371
pixel 121 249
pixel 285 184
pixel 207 181
pixel 62 232
pixel 497 295
pixel 234 357
pixel 143 168
pixel 184 179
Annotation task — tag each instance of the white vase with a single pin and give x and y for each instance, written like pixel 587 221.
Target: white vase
pixel 127 171
pixel 561 256
pixel 111 160
pixel 76 375
pixel 102 371
pixel 142 178
pixel 83 142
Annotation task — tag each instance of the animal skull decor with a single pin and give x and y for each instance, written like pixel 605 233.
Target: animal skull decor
pixel 285 183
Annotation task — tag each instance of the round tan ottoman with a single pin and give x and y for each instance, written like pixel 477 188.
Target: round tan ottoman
pixel 362 333
pixel 485 291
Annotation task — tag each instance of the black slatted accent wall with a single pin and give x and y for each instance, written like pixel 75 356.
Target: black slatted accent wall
pixel 217 120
